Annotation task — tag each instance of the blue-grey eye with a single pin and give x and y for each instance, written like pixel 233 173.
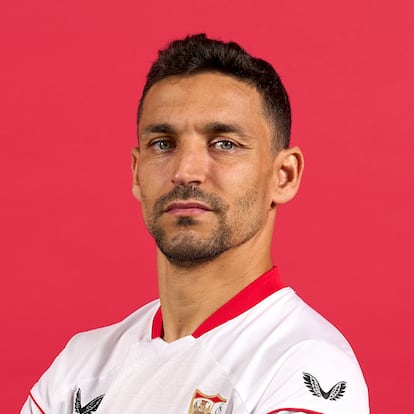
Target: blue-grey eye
pixel 224 145
pixel 163 145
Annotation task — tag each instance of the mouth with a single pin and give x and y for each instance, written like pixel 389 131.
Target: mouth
pixel 188 208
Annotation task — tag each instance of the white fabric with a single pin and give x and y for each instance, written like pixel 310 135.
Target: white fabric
pixel 255 362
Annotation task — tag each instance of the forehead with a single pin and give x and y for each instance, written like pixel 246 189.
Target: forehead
pixel 203 97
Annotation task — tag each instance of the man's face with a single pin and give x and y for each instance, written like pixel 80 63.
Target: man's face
pixel 204 170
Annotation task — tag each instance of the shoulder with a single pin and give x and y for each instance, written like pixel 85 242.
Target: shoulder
pixel 314 367
pixel 110 340
pixel 318 366
pixel 319 376
pixel 282 350
pixel 279 322
pixel 294 336
pixel 286 318
pixel 92 356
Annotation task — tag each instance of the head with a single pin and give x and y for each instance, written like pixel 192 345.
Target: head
pixel 197 54
pixel 213 161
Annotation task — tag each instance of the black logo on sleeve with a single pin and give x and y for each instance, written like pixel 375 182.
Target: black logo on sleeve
pixel 90 407
pixel 336 392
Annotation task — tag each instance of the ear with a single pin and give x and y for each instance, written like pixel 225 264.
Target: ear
pixel 136 189
pixel 288 168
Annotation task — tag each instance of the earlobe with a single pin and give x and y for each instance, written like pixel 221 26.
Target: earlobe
pixel 288 167
pixel 136 189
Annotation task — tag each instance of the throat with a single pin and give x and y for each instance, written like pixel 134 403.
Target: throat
pixel 182 317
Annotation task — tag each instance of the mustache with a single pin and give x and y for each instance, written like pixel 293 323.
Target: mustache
pixel 182 192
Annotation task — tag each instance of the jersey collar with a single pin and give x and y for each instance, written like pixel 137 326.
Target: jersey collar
pixel 250 296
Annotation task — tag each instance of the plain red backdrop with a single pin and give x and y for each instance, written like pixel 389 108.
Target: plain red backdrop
pixel 74 252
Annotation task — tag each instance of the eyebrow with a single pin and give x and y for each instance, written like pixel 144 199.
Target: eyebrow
pixel 207 128
pixel 163 128
pixel 222 127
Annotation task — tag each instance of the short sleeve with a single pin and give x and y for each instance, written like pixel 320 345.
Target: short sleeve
pixel 316 378
pixel 51 393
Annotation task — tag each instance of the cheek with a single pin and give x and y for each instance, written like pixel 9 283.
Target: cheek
pixel 244 179
pixel 149 183
pixel 255 191
pixel 147 196
pixel 155 171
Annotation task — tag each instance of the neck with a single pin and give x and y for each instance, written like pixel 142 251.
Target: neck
pixel 189 295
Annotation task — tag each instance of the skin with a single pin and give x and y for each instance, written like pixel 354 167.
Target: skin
pixel 209 185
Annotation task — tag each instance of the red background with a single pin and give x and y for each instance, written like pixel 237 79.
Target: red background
pixel 74 252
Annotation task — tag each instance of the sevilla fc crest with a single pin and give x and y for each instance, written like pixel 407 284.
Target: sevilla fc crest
pixel 206 404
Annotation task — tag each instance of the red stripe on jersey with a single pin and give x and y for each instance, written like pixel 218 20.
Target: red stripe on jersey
pixel 157 329
pixel 296 410
pixel 36 404
pixel 250 296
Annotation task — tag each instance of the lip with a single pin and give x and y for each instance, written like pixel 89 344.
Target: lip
pixel 190 208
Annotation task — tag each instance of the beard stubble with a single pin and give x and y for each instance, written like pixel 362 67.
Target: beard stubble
pixel 185 249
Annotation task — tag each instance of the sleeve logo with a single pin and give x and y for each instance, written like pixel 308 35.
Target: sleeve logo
pixel 335 393
pixel 88 408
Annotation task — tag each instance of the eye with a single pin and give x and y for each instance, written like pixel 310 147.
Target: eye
pixel 162 145
pixel 224 145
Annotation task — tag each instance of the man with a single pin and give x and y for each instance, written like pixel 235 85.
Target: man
pixel 226 336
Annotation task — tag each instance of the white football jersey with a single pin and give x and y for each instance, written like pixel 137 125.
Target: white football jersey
pixel 265 351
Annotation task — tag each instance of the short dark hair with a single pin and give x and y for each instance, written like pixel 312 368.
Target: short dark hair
pixel 196 54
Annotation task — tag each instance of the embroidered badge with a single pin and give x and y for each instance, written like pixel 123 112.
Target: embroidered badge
pixel 90 407
pixel 206 404
pixel 336 392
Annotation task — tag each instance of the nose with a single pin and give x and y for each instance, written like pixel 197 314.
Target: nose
pixel 190 163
